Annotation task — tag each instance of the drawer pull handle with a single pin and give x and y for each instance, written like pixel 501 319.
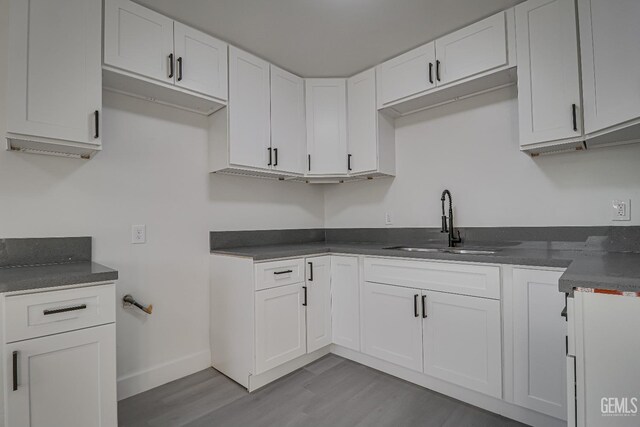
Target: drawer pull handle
pixel 64 309
pixel 283 272
pixel 15 370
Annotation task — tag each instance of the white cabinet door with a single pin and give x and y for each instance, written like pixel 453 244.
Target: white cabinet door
pixel 65 380
pixel 288 135
pixel 475 49
pixel 249 105
pixel 201 62
pixel 609 34
pixel 462 341
pixel 539 342
pixel 55 74
pixel 549 104
pixel 138 40
pixel 345 301
pixel 318 300
pixel 391 324
pixel 326 126
pixel 363 123
pixel 280 327
pixel 408 74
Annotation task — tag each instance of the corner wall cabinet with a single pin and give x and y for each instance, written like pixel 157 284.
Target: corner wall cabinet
pixel 59 357
pixel 154 57
pixel 54 92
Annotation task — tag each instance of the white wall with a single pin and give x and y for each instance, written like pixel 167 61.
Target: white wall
pixel 471 148
pixel 153 171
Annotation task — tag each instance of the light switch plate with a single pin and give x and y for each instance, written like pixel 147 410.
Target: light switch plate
pixel 138 234
pixel 621 210
pixel 387 218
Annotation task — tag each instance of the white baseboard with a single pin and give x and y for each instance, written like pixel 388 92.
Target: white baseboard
pixel 257 381
pixel 138 382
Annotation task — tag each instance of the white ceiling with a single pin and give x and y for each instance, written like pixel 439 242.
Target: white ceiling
pixel 327 38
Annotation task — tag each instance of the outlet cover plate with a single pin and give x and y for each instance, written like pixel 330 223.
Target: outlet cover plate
pixel 621 210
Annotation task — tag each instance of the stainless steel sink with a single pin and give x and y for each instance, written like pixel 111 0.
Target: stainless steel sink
pixel 445 250
pixel 469 251
pixel 409 249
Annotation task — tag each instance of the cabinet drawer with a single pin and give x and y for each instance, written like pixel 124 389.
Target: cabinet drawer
pixel 465 279
pixel 39 314
pixel 279 273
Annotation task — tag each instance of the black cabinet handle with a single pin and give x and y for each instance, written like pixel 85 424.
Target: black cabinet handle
pixel 171 65
pixel 310 271
pixel 180 69
pixel 437 70
pixel 96 119
pixel 574 113
pixel 431 72
pixel 349 162
pixel 275 153
pixel 309 161
pixel 15 370
pixel 424 306
pixel 270 162
pixel 304 288
pixel 64 309
pixel 415 305
pixel 283 272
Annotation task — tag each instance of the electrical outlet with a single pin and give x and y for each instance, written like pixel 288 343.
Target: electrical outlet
pixel 621 210
pixel 387 218
pixel 138 234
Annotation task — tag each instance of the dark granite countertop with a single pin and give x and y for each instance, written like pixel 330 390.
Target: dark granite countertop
pixel 524 253
pixel 591 263
pixel 22 278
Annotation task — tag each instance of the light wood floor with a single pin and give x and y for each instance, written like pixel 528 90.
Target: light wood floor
pixel 330 392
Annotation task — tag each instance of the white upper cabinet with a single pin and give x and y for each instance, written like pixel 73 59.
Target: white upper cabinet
pixel 462 341
pixel 363 122
pixel 345 301
pixel 549 103
pixel 610 48
pixel 249 110
pixel 54 76
pixel 539 342
pixel 288 135
pixel 152 57
pixel 326 101
pixel 201 62
pixel 475 49
pixel 405 75
pixel 138 40
pixel 318 302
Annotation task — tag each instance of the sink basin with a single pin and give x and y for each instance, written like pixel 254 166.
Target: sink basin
pixel 445 250
pixel 468 251
pixel 409 249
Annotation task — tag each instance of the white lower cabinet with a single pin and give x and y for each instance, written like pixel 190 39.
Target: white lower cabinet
pixel 539 342
pixel 280 326
pixel 392 325
pixel 462 341
pixel 318 302
pixel 65 380
pixel 345 301
pixel 59 358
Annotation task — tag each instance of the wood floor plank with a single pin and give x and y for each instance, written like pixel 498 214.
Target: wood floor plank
pixel 331 392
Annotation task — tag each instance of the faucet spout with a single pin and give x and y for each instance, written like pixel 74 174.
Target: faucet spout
pixel 453 239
